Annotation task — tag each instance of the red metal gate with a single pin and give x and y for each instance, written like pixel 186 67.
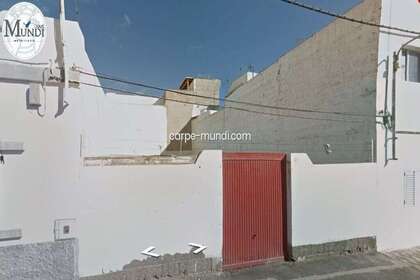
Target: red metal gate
pixel 254 203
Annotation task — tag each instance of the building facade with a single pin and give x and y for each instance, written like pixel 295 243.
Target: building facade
pixel 330 79
pixel 363 183
pixel 89 159
pixel 193 96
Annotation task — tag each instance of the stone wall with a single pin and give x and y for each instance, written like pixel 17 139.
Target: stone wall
pixel 168 266
pixel 351 246
pixel 40 261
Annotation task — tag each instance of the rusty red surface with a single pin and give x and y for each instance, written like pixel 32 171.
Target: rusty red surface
pixel 254 217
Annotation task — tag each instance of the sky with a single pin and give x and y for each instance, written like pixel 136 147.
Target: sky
pixel 160 42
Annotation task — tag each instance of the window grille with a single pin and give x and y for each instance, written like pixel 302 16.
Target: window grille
pixel 412 66
pixel 410 188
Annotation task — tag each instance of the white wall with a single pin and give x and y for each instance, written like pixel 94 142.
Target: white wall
pixel 119 210
pixel 332 202
pixel 336 202
pixel 399 227
pixel 129 125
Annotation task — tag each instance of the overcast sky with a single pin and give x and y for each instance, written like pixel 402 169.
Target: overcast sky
pixel 162 41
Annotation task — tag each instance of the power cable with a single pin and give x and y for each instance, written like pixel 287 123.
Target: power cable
pixel 329 13
pixel 245 142
pixel 120 80
pixel 24 62
pixel 332 14
pixel 225 107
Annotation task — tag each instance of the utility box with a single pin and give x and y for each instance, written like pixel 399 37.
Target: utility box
pixel 8 235
pixel 74 78
pixel 34 98
pixel 9 146
pixel 64 229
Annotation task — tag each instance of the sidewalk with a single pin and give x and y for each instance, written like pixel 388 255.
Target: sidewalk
pixel 404 265
pixel 395 265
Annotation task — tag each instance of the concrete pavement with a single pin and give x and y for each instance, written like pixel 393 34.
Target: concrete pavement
pixel 403 265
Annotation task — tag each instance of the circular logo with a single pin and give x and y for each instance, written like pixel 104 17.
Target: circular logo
pixel 24 31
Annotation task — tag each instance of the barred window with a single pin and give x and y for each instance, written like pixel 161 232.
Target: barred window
pixel 412 66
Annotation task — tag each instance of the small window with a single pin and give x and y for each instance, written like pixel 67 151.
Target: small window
pixel 412 66
pixel 410 188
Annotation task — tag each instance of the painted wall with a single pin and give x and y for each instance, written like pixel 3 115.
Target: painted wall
pixel 399 227
pixel 332 202
pixel 333 70
pixel 130 125
pixel 336 202
pixel 120 211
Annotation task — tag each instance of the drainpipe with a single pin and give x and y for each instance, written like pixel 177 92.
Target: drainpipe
pixel 62 41
pixel 395 66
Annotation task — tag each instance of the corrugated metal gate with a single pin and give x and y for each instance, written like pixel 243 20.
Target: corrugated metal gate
pixel 254 203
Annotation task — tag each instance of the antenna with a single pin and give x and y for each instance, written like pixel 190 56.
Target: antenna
pixel 62 10
pixel 62 22
pixel 62 104
pixel 77 10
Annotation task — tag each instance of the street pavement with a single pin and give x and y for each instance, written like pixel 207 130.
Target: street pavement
pixel 403 265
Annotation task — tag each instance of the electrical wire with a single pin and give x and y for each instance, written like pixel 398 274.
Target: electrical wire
pixel 332 14
pixel 225 100
pixel 291 2
pixel 334 145
pixel 406 44
pixel 24 62
pixel 343 147
pixel 225 107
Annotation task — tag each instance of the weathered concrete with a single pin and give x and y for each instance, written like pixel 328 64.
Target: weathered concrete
pixel 141 160
pixel 351 246
pixel 389 266
pixel 409 257
pixel 351 267
pixel 334 70
pixel 40 261
pixel 171 266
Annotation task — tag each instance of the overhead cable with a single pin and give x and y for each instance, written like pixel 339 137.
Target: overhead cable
pixel 225 100
pixel 332 14
pixel 224 106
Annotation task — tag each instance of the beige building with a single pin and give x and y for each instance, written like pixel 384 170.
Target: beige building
pixel 185 103
pixel 330 78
